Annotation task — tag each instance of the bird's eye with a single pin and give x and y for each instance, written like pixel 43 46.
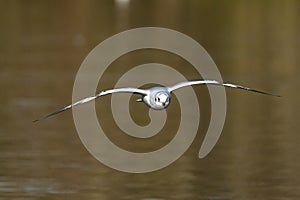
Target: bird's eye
pixel 158 99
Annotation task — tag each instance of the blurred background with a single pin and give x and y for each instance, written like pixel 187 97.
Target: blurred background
pixel 254 43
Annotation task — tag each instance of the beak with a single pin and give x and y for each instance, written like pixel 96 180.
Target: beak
pixel 164 103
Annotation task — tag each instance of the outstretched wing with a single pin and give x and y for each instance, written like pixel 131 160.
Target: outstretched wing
pixel 102 93
pixel 213 82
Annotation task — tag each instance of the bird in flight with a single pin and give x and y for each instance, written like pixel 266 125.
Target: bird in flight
pixel 157 98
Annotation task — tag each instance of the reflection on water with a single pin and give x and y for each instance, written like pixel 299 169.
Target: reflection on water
pixel 253 43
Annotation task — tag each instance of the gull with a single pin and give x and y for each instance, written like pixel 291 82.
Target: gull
pixel 157 98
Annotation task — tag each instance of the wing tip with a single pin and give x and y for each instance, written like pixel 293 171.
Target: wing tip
pixel 276 95
pixel 266 93
pixel 40 119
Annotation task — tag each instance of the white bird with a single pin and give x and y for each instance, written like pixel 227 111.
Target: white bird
pixel 157 98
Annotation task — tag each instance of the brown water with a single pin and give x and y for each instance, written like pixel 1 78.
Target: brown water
pixel 254 43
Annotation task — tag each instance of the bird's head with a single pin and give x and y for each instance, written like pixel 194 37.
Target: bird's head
pixel 162 100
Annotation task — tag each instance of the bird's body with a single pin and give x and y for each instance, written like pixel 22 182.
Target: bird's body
pixel 157 98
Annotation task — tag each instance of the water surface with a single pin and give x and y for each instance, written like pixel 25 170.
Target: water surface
pixel 253 43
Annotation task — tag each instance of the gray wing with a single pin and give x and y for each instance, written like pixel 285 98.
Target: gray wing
pixel 213 82
pixel 102 93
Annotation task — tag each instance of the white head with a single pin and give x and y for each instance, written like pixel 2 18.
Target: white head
pixel 162 100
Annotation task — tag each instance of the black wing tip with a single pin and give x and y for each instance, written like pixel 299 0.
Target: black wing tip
pixel 276 95
pixel 266 93
pixel 40 119
pixel 252 90
pixel 50 115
